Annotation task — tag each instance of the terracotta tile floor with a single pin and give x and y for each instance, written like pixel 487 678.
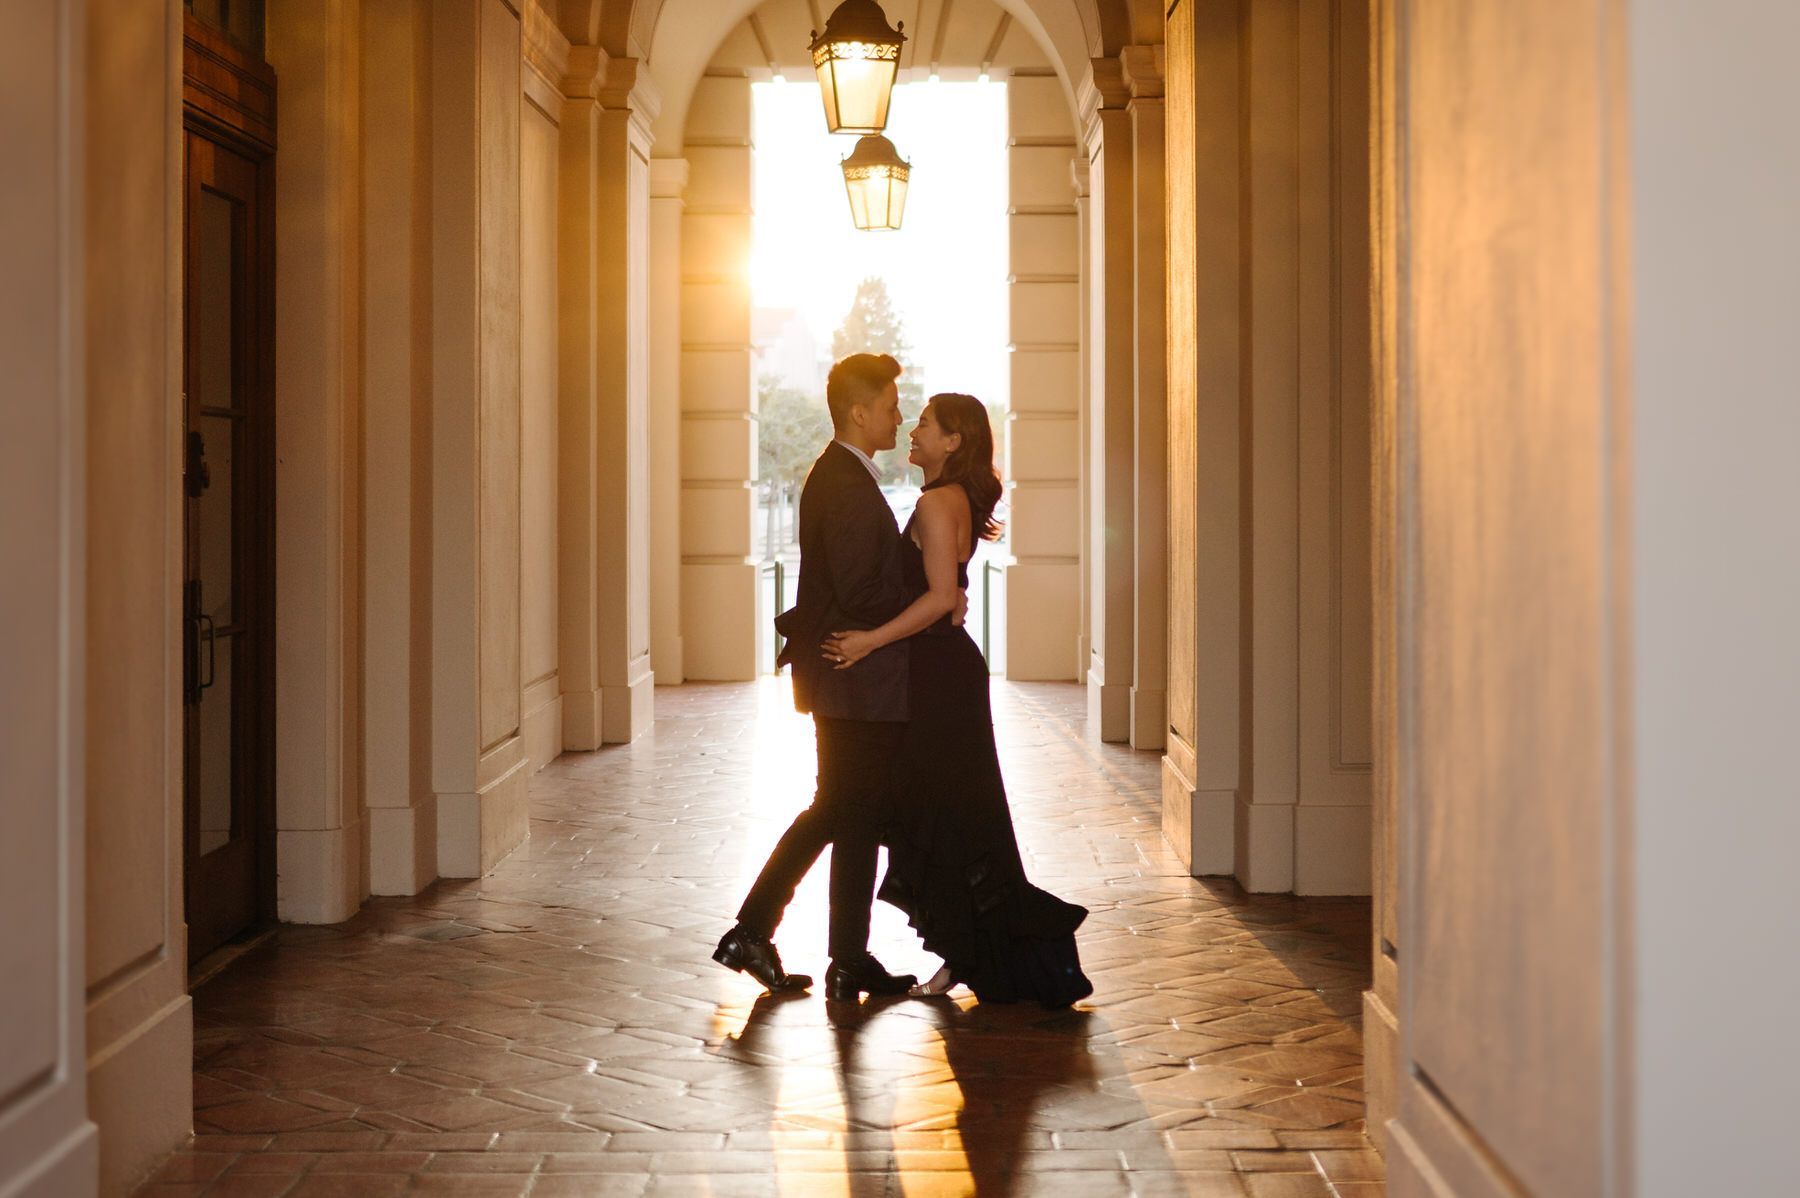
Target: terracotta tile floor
pixel 558 1029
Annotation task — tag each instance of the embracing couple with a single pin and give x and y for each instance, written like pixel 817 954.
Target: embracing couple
pixel 898 693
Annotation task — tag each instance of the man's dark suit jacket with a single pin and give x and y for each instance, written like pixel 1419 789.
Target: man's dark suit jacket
pixel 850 578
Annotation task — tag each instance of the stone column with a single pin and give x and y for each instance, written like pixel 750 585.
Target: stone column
pixel 1265 825
pixel 1332 821
pixel 723 604
pixel 1112 353
pixel 479 764
pixel 396 459
pixel 668 191
pixel 1043 582
pixel 628 103
pixel 604 636
pixel 1143 70
pixel 546 65
pixel 316 50
pixel 1078 173
pixel 1203 754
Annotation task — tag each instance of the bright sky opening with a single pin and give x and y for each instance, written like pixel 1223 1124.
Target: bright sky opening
pixel 945 268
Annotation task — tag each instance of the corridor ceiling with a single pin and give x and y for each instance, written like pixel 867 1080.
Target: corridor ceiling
pixel 678 38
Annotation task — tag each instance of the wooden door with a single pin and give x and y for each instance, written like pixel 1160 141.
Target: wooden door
pixel 228 482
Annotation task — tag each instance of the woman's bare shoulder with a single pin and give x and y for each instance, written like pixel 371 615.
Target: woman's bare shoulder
pixel 944 499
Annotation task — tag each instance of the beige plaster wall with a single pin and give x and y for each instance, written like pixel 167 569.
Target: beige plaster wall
pixel 139 1022
pixel 47 1145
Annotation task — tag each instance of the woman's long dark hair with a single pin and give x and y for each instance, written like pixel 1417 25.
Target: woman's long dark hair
pixel 972 463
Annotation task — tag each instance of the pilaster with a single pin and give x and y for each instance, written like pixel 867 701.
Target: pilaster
pixel 1043 470
pixel 668 202
pixel 318 443
pixel 723 604
pixel 628 103
pixel 479 763
pixel 1142 68
pixel 1111 413
pixel 395 454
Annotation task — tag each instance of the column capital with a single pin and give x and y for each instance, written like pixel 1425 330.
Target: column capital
pixel 545 48
pixel 668 178
pixel 1078 174
pixel 1104 86
pixel 1142 70
pixel 625 87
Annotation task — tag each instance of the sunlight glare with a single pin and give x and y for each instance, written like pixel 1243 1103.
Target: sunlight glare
pixel 946 268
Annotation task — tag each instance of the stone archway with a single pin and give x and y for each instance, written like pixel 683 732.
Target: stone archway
pixel 1085 268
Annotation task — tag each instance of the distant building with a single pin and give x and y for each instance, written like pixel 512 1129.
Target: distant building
pixel 787 349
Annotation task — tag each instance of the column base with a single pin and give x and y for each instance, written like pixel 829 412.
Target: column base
pixel 1043 619
pixel 666 661
pixel 627 711
pixel 581 721
pixel 1265 847
pixel 541 725
pixel 319 873
pixel 1198 824
pixel 1109 709
pixel 1149 718
pixel 722 609
pixel 402 848
pixel 141 1093
pixel 1332 850
pixel 1381 1050
pixel 477 830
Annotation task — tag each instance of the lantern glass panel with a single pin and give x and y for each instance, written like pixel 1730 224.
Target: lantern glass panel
pixel 877 196
pixel 856 80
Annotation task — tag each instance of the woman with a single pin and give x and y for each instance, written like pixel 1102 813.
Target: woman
pixel 953 862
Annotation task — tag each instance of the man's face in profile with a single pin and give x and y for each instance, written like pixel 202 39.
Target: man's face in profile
pixel 884 417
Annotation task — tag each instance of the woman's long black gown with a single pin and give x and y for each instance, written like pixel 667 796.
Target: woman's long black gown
pixel 953 861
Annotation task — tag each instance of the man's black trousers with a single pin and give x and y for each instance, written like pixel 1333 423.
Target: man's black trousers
pixel 857 771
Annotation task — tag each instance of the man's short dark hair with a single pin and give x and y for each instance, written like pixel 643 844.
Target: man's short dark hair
pixel 857 379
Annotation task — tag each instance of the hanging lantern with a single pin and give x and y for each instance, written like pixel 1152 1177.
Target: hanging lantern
pixel 857 58
pixel 876 178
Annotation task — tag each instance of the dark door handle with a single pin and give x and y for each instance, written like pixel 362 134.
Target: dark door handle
pixel 199 474
pixel 212 662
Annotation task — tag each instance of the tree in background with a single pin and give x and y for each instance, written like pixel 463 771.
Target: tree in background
pixel 792 429
pixel 873 327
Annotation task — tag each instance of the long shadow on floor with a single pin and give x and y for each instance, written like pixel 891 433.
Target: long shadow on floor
pixel 942 1092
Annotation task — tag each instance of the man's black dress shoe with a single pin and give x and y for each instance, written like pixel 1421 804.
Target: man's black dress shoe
pixel 847 981
pixel 744 951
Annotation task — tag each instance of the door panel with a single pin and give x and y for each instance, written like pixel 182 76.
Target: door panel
pixel 228 481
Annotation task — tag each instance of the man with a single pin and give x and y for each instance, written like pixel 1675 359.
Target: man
pixel 850 577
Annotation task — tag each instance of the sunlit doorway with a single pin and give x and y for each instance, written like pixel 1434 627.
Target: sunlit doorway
pixel 933 293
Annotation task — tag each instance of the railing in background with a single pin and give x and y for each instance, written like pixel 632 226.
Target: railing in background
pixel 988 570
pixel 987 607
pixel 777 571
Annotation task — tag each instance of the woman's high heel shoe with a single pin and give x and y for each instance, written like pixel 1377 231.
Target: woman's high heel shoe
pixel 941 983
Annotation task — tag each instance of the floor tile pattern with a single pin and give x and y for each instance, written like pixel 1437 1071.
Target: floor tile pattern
pixel 558 1029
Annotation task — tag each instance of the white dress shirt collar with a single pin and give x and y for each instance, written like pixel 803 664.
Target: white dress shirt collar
pixel 865 459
